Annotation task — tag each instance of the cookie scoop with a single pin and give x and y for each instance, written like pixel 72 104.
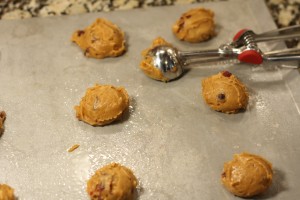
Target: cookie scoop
pixel 172 62
pixel 146 64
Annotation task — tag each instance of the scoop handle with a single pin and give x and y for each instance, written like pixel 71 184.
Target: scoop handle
pixel 291 32
pixel 200 54
pixel 283 58
pixel 283 55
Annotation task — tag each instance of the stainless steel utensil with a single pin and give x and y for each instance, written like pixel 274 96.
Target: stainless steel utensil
pixel 172 62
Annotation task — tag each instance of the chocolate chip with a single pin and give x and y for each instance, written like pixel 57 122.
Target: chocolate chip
pixel 188 16
pixel 223 175
pixel 99 188
pixel 87 51
pixel 110 187
pixel 79 33
pixel 221 96
pixel 226 73
pixel 2 115
pixel 180 26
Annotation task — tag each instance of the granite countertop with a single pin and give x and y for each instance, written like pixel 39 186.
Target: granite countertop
pixel 284 12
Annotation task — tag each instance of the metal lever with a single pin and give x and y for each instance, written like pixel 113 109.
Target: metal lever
pixel 279 34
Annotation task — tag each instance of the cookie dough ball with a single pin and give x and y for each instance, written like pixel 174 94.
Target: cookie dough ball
pixel 196 25
pixel 102 104
pixel 225 93
pixel 247 175
pixel 112 182
pixel 6 192
pixel 147 63
pixel 101 39
pixel 2 119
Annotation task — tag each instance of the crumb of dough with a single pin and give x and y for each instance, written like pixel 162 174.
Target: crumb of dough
pixel 74 147
pixel 102 104
pixel 2 119
pixel 247 175
pixel 147 64
pixel 225 93
pixel 112 182
pixel 195 25
pixel 6 192
pixel 101 39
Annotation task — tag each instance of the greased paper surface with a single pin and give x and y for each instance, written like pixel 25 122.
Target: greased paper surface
pixel 174 143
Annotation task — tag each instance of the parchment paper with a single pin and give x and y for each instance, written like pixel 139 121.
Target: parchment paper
pixel 175 144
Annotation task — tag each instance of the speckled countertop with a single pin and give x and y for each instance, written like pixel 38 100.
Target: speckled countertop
pixel 284 12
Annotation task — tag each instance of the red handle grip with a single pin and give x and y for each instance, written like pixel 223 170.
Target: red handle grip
pixel 250 56
pixel 238 34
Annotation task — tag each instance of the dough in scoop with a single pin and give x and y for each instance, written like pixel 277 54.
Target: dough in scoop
pixel 147 64
pixel 225 93
pixel 6 192
pixel 102 104
pixel 112 182
pixel 247 175
pixel 101 39
pixel 196 25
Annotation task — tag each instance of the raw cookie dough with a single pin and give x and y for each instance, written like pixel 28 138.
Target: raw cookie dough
pixel 225 93
pixel 247 175
pixel 102 104
pixel 147 65
pixel 2 119
pixel 6 192
pixel 112 182
pixel 101 39
pixel 196 25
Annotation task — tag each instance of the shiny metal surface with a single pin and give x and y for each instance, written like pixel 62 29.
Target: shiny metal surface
pixel 172 62
pixel 283 55
pixel 286 33
pixel 168 61
pixel 174 143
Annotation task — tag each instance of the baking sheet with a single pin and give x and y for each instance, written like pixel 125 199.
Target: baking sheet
pixel 173 142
